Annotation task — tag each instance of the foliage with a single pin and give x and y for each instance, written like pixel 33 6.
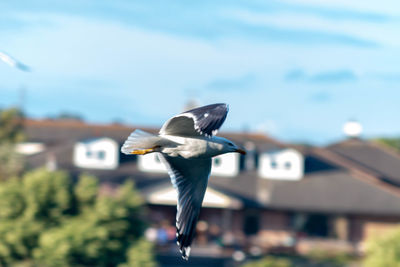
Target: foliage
pixel 11 126
pixel 327 258
pixel 139 255
pixel 45 220
pixel 11 163
pixel 11 132
pixel 317 258
pixel 390 142
pixel 384 250
pixel 269 261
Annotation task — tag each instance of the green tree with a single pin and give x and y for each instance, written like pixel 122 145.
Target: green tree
pixel 269 261
pixel 384 250
pixel 390 142
pixel 317 258
pixel 11 132
pixel 139 254
pixel 11 163
pixel 11 126
pixel 45 220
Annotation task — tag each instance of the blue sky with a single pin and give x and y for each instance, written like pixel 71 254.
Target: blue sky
pixel 296 70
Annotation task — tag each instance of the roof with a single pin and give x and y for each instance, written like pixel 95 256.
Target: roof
pixel 343 178
pixel 336 192
pixel 57 131
pixel 329 185
pixel 373 157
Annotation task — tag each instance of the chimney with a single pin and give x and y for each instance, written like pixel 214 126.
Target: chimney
pixel 51 162
pixel 250 158
pixel 191 104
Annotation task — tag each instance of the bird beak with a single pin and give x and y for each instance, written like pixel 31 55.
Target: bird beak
pixel 241 151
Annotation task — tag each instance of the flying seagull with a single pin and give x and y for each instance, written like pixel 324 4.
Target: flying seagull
pixel 13 62
pixel 186 143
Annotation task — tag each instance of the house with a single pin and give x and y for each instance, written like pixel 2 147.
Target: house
pixel 277 196
pixel 96 153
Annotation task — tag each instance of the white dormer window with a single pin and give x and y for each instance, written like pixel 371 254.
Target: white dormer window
pixel 226 165
pixel 98 153
pixel 223 165
pixel 286 164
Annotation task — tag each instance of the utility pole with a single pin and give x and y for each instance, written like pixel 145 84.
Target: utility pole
pixel 22 98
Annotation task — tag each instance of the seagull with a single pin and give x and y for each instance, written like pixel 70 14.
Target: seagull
pixel 186 143
pixel 13 62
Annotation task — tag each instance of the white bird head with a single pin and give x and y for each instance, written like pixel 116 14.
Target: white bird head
pixel 229 146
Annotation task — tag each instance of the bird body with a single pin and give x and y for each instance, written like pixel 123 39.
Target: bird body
pixel 196 147
pixel 186 144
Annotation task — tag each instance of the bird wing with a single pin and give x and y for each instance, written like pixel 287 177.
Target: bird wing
pixel 7 59
pixel 190 178
pixel 200 121
pixel 13 62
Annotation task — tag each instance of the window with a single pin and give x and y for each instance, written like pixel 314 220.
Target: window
pixel 274 164
pixel 288 165
pixel 316 225
pixel 283 164
pixel 251 222
pixel 98 153
pixel 101 154
pixel 226 165
pixel 217 161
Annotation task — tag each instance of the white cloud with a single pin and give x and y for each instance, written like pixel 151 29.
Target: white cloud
pixel 390 7
pixel 380 32
pixel 142 73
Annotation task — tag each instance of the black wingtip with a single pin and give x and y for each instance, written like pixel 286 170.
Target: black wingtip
pixel 210 106
pixel 208 119
pixel 23 67
pixel 185 251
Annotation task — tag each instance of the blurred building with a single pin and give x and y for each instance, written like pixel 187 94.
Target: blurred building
pixel 278 197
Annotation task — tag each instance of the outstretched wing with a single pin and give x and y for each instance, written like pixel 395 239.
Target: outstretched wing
pixel 204 120
pixel 13 62
pixel 190 178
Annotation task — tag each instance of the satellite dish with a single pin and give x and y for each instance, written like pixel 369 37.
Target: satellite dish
pixel 352 129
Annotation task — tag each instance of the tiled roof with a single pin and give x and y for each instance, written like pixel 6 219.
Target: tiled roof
pixel 334 192
pixel 375 158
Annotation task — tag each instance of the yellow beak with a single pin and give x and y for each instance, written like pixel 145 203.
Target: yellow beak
pixel 241 151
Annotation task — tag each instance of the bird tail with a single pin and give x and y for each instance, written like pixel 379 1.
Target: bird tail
pixel 140 142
